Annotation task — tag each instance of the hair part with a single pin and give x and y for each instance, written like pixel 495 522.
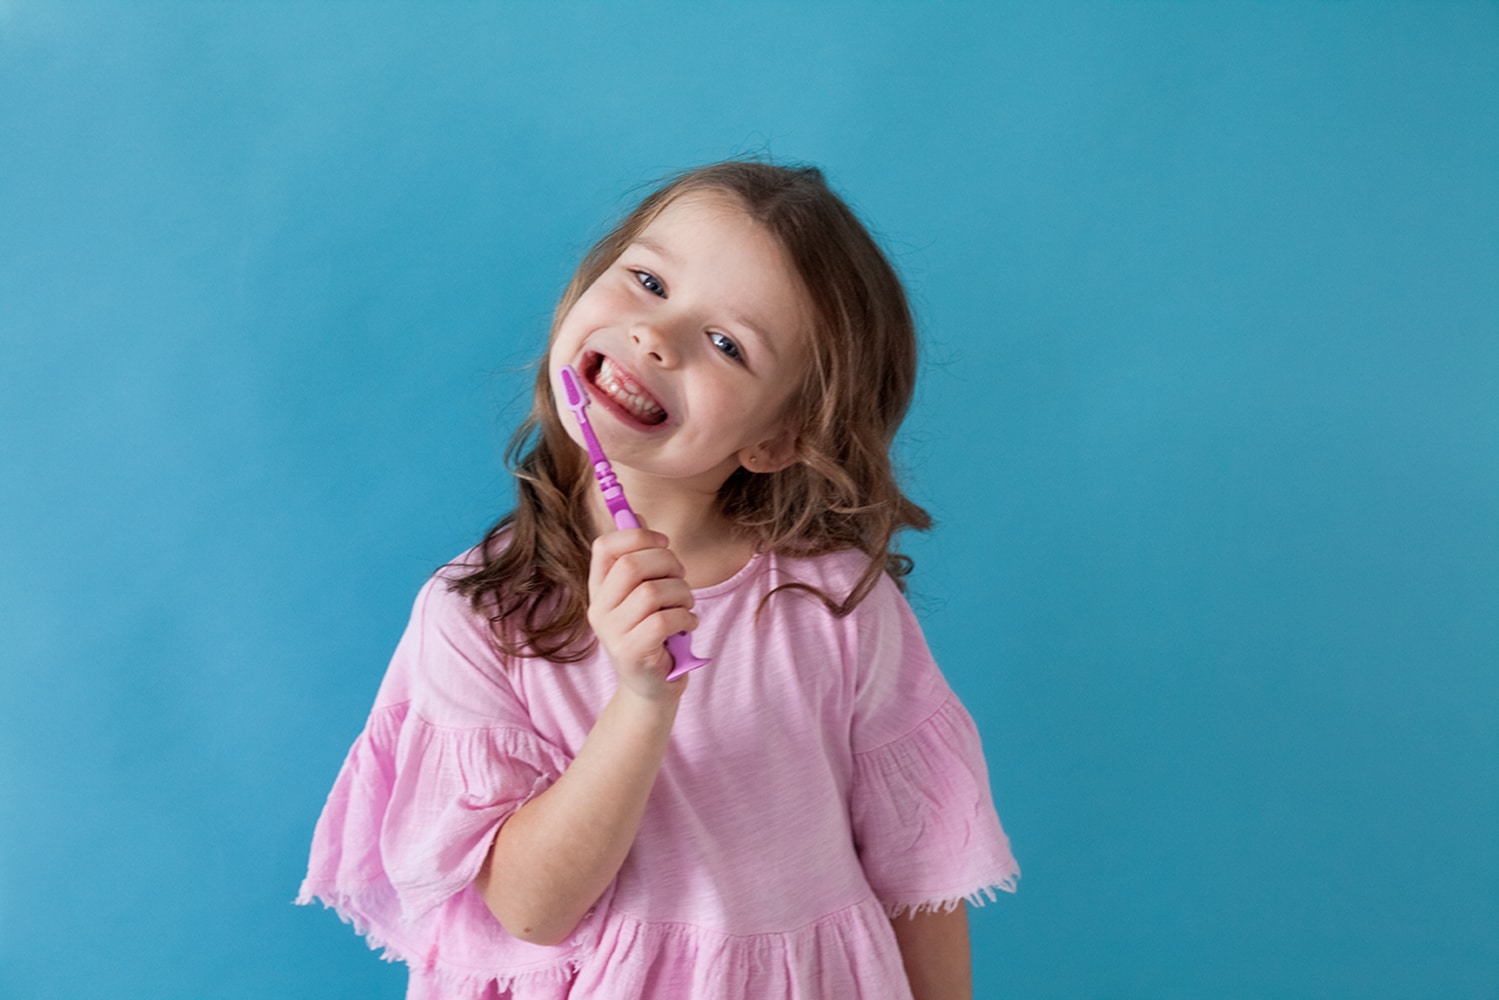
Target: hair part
pixel 839 492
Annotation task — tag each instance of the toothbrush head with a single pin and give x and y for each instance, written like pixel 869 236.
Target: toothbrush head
pixel 572 387
pixel 577 401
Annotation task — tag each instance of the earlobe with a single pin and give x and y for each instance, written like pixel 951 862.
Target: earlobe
pixel 770 455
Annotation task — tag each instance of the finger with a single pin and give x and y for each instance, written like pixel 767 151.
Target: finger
pixel 651 596
pixel 614 624
pixel 634 568
pixel 650 635
pixel 668 622
pixel 609 546
pixel 629 571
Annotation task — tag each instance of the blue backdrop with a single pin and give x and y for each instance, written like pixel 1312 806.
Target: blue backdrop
pixel 1209 417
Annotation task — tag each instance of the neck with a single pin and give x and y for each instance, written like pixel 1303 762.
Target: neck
pixel 700 536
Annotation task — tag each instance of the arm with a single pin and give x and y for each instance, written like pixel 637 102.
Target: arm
pixel 553 859
pixel 558 853
pixel 934 948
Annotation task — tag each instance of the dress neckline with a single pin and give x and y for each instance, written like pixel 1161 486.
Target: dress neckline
pixel 732 583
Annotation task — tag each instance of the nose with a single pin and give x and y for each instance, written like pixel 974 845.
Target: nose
pixel 656 342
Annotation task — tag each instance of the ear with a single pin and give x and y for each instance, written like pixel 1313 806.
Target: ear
pixel 770 455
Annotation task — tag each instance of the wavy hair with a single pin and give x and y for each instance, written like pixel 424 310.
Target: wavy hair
pixel 839 492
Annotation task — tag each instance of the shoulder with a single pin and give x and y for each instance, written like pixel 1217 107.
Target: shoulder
pixel 448 657
pixel 466 562
pixel 835 573
pixel 446 592
pixel 440 602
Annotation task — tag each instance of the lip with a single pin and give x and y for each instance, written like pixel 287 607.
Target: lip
pixel 589 366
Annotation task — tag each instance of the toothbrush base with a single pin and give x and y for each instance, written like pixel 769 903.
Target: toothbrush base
pixel 682 656
pixel 685 666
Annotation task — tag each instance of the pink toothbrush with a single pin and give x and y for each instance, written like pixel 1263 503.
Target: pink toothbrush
pixel 679 645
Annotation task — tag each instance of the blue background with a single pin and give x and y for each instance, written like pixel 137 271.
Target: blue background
pixel 1209 417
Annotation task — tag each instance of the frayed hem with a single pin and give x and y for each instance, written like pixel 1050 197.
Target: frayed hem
pixel 341 905
pixel 947 904
pixel 450 981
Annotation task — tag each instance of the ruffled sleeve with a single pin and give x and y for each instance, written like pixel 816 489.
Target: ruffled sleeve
pixel 922 811
pixel 447 755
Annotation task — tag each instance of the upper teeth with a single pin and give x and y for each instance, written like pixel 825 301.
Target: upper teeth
pixel 624 390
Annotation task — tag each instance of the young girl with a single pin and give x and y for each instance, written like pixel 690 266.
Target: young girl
pixel 533 810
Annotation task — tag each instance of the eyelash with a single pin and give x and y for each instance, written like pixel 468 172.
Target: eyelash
pixel 731 350
pixel 659 290
pixel 723 343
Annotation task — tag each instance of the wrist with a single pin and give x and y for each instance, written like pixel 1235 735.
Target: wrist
pixel 654 708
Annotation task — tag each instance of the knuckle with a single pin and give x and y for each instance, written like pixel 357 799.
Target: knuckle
pixel 662 593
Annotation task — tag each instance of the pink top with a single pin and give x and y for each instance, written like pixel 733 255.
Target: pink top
pixel 821 776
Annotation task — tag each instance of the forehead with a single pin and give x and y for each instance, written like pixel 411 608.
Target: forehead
pixel 715 225
pixel 717 250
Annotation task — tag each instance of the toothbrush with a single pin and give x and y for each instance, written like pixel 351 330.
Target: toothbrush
pixel 679 645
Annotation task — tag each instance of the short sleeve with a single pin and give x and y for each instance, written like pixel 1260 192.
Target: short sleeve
pixel 447 755
pixel 922 811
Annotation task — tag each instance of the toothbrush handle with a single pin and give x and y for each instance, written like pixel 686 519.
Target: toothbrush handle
pixel 680 644
pixel 614 494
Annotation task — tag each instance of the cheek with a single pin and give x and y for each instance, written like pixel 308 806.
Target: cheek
pixel 768 419
pixel 602 299
pixel 573 319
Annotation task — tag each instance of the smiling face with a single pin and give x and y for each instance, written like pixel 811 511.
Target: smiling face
pixel 691 342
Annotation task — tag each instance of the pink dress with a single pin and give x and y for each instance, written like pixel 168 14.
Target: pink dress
pixel 821 777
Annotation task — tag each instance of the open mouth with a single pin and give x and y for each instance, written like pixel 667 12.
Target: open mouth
pixel 617 386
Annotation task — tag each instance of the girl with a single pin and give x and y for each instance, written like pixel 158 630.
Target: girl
pixel 533 810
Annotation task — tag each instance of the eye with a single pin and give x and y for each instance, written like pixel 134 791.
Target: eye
pixel 727 346
pixel 651 283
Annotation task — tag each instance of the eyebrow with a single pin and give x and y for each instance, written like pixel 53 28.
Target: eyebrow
pixel 656 248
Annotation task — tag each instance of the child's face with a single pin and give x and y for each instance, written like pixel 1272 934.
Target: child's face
pixel 692 343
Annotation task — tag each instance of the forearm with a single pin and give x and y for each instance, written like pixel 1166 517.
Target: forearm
pixel 553 859
pixel 934 947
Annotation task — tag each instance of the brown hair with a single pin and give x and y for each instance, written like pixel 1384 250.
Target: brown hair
pixel 840 491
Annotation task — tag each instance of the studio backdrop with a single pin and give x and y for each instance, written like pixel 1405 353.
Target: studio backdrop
pixel 1208 419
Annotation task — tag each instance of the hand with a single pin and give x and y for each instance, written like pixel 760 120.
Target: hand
pixel 637 597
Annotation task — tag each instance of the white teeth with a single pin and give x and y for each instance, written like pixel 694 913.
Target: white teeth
pixel 617 385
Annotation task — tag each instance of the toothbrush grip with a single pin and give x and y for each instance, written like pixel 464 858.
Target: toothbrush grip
pixel 680 644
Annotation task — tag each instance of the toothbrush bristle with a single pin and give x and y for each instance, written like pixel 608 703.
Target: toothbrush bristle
pixel 572 384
